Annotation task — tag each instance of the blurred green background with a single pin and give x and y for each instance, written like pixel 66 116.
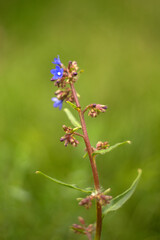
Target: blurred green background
pixel 117 44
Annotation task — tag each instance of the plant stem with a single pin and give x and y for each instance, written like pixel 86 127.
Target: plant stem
pixel 78 134
pixel 92 162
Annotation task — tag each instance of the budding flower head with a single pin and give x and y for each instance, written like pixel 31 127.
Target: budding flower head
pixel 100 197
pixel 72 66
pixel 69 139
pixel 102 145
pixel 86 202
pixel 68 130
pixel 83 228
pixel 103 199
pixel 62 94
pixel 57 103
pixel 95 109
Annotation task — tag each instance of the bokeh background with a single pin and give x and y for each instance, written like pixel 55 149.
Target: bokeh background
pixel 117 44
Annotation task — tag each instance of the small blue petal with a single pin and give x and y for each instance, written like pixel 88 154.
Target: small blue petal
pixel 57 61
pixel 60 105
pixel 58 68
pixel 54 99
pixel 53 71
pixel 55 77
pixel 56 104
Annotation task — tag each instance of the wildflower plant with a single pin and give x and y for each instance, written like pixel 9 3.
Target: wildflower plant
pixel 64 78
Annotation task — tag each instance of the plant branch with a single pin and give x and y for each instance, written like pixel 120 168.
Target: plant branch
pixel 78 134
pixel 86 108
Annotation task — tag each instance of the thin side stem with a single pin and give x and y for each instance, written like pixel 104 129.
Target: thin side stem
pixel 89 236
pixel 92 162
pixel 78 134
pixel 85 109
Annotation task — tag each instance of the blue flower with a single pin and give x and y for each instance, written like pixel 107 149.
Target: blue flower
pixel 58 73
pixel 57 61
pixel 57 103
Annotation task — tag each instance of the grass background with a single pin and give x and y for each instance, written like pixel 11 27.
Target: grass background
pixel 117 44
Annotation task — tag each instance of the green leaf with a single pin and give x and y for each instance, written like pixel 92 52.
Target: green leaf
pixel 85 155
pixel 73 105
pixel 118 201
pixel 86 190
pixel 103 151
pixel 76 128
pixel 72 118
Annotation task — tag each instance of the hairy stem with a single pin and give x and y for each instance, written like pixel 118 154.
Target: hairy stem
pixel 92 162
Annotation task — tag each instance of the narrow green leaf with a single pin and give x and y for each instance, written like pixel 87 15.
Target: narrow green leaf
pixel 73 105
pixel 75 129
pixel 87 190
pixel 118 201
pixel 103 151
pixel 85 155
pixel 72 118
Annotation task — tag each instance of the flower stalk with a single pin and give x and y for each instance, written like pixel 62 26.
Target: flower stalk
pixel 92 162
pixel 64 78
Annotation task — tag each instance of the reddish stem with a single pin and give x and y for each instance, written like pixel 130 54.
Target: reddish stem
pixel 78 134
pixel 92 162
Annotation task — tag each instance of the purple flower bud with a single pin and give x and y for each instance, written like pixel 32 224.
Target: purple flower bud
pixel 103 199
pixel 86 202
pixel 81 220
pixel 95 109
pixel 62 139
pixel 68 138
pixel 83 228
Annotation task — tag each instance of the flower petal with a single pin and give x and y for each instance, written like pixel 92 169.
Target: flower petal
pixel 58 69
pixel 53 71
pixel 57 61
pixel 56 104
pixel 54 99
pixel 60 105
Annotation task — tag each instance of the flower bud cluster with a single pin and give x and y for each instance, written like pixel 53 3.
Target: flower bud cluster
pixel 100 197
pixel 102 145
pixel 65 94
pixel 82 228
pixel 68 138
pixel 72 70
pixel 95 109
pixel 99 146
pixel 61 77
